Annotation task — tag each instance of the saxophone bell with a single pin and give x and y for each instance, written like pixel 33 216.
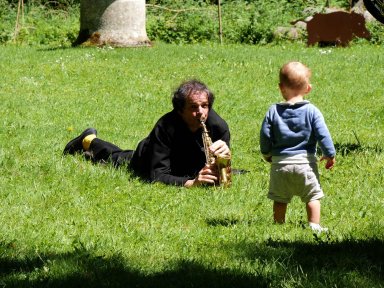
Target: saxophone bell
pixel 223 163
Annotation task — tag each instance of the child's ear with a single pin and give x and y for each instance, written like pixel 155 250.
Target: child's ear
pixel 309 88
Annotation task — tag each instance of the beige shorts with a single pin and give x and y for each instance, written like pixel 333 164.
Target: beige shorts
pixel 288 180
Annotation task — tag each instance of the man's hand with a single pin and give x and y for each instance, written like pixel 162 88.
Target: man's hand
pixel 330 162
pixel 220 148
pixel 207 175
pixel 267 158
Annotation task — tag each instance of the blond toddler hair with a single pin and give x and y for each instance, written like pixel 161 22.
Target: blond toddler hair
pixel 294 75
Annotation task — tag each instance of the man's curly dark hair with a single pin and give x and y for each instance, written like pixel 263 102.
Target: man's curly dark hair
pixel 188 88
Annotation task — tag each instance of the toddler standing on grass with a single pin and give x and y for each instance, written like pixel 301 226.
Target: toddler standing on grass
pixel 288 138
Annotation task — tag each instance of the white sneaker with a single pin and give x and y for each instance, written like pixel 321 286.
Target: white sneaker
pixel 317 228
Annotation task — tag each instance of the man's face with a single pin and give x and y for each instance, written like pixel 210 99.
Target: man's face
pixel 196 108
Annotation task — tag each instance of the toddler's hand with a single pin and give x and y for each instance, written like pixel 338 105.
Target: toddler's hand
pixel 330 162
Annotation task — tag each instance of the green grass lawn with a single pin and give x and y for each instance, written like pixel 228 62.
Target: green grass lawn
pixel 68 223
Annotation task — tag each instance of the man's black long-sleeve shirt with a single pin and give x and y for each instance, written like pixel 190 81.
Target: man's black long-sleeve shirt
pixel 173 154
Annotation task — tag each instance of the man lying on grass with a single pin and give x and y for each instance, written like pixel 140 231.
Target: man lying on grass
pixel 173 153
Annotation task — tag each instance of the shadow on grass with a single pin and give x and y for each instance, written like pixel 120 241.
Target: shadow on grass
pixel 80 269
pixel 227 221
pixel 349 263
pixel 347 148
pixel 54 48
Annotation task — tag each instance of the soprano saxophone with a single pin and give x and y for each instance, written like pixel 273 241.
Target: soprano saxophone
pixel 222 162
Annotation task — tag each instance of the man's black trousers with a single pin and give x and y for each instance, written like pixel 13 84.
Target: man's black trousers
pixel 106 152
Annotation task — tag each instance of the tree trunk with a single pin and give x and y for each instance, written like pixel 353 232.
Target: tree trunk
pixel 118 23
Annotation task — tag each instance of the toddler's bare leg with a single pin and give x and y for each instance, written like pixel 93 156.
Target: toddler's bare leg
pixel 313 211
pixel 279 210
